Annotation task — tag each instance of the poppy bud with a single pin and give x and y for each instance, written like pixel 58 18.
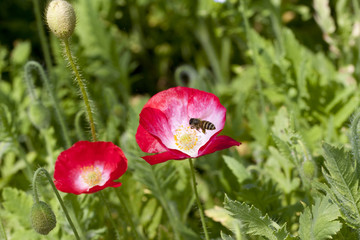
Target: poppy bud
pixel 43 219
pixel 39 115
pixel 61 18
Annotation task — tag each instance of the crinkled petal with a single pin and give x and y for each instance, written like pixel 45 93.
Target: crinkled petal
pixel 179 104
pixel 147 142
pixel 164 125
pixel 116 163
pixel 156 123
pixel 206 106
pixel 218 143
pixel 165 156
pixel 110 184
pixel 105 156
pixel 173 103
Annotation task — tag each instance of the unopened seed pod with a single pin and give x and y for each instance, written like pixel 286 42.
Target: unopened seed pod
pixel 43 219
pixel 61 18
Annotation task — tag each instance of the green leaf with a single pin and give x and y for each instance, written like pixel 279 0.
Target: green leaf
pixel 154 224
pixel 281 171
pixel 281 125
pixel 257 224
pixel 148 212
pixel 348 108
pixel 343 181
pixel 221 215
pixel 21 53
pixel 300 59
pixel 18 204
pixel 319 222
pixel 225 236
pixel 237 168
pixel 257 125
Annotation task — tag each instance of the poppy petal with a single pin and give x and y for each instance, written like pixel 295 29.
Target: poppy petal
pixel 147 142
pixel 163 157
pixel 165 129
pixel 218 143
pixel 173 103
pixel 88 167
pixel 155 122
pixel 206 106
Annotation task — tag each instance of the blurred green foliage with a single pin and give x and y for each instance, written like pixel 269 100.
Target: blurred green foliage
pixel 287 72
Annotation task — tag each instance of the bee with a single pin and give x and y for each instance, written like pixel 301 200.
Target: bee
pixel 197 123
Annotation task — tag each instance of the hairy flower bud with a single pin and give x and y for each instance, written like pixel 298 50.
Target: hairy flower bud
pixel 39 115
pixel 61 18
pixel 43 219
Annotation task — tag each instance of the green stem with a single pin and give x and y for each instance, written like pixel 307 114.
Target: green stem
pixel 78 128
pixel 127 213
pixel 43 40
pixel 36 197
pixel 29 66
pixel 356 9
pixel 103 199
pixel 305 151
pixel 201 210
pixel 2 232
pixel 82 88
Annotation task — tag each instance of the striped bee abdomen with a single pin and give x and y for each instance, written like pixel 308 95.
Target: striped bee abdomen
pixel 197 123
pixel 207 125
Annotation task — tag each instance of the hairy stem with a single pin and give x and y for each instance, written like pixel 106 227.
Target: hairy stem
pixel 36 197
pixel 82 88
pixel 78 129
pixel 201 210
pixel 32 65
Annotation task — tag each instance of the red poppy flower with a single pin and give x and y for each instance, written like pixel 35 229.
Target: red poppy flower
pixel 88 167
pixel 165 129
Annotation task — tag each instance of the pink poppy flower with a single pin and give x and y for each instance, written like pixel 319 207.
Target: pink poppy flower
pixel 165 125
pixel 88 167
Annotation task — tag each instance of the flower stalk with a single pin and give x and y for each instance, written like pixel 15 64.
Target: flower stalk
pixel 36 197
pixel 82 89
pixel 32 65
pixel 201 210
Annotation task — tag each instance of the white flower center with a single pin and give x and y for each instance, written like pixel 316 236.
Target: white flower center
pixel 187 140
pixel 91 175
